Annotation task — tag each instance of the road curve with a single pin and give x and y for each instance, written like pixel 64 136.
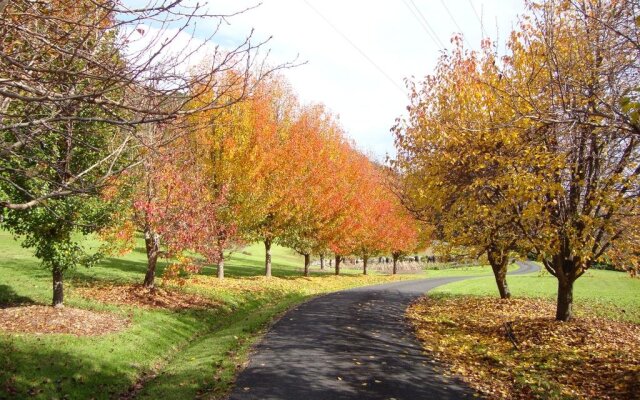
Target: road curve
pixel 352 344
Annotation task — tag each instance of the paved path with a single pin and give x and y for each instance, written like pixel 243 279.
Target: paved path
pixel 352 344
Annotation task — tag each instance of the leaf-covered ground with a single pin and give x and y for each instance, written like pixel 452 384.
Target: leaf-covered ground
pixel 586 358
pixel 139 296
pixel 46 319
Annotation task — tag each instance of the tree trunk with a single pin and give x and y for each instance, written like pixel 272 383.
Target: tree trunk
pixel 322 261
pixel 395 262
pixel 267 258
pixel 338 260
pixel 501 280
pixel 221 268
pixel 58 288
pixel 498 261
pixel 152 244
pixel 365 261
pixel 566 269
pixel 564 310
pixel 307 263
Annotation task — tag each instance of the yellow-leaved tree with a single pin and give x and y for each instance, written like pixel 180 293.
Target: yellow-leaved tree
pixel 570 71
pixel 536 151
pixel 463 165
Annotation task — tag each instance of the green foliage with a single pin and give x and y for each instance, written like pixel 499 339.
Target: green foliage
pixel 631 106
pixel 50 231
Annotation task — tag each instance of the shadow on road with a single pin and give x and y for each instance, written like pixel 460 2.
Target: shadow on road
pixel 353 344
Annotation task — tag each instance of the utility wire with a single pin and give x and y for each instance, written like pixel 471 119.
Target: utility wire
pixel 362 53
pixel 478 17
pixel 424 23
pixel 455 22
pixel 427 23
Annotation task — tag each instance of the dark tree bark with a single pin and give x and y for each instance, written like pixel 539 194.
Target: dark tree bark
pixel 564 310
pixel 152 244
pixel 307 264
pixel 338 260
pixel 58 288
pixel 498 261
pixel 395 256
pixel 365 262
pixel 267 257
pixel 322 261
pixel 566 269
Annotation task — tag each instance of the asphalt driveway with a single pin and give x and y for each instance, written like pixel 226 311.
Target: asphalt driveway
pixel 352 344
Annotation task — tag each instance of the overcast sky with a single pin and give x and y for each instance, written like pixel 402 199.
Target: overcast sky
pixel 359 52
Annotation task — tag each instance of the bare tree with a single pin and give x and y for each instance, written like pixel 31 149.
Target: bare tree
pixel 68 69
pixel 81 85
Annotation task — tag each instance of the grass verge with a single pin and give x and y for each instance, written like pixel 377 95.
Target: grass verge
pixel 165 352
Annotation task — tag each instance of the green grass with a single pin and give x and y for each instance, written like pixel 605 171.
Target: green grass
pixel 463 271
pixel 175 354
pixel 607 293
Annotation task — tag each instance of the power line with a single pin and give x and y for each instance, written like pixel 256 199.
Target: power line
pixel 362 53
pixel 478 17
pixel 427 23
pixel 455 22
pixel 424 23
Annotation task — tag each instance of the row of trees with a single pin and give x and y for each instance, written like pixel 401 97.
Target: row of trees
pixel 103 129
pixel 265 169
pixel 535 152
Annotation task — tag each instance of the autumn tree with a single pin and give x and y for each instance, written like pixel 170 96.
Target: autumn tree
pixel 379 224
pixel 309 160
pixel 580 71
pixel 369 213
pixel 568 77
pixel 461 163
pixel 229 147
pixel 101 65
pixel 79 82
pixel 346 228
pixel 542 140
pixel 401 234
pixel 55 146
pixel 273 110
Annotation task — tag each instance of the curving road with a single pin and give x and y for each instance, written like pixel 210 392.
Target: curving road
pixel 352 344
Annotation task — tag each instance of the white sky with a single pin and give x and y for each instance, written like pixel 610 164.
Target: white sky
pixel 367 100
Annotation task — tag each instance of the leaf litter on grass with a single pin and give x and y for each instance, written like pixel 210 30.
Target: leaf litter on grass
pixel 514 349
pixel 46 319
pixel 139 296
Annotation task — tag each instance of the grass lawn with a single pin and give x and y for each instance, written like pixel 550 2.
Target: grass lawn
pixel 164 353
pixel 608 293
pixel 464 271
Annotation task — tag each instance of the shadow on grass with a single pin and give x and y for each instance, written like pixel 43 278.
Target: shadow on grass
pixel 207 367
pixel 35 371
pixel 114 270
pixel 9 298
pixel 247 268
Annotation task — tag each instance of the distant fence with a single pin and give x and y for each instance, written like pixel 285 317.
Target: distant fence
pixel 385 265
pixel 403 267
